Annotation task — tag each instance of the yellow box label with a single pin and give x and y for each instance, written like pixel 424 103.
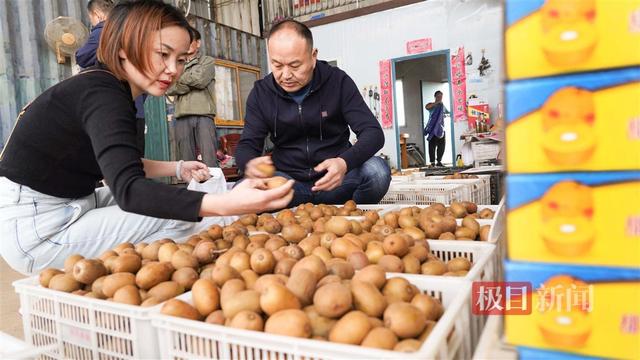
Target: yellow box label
pixel 578 224
pixel 607 137
pixel 598 319
pixel 569 36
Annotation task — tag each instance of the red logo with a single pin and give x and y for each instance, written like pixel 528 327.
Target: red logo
pixel 501 298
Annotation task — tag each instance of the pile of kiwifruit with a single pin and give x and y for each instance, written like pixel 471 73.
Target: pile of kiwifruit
pixel 458 176
pixel 364 308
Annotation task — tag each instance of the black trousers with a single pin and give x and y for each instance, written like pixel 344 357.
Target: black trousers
pixel 438 143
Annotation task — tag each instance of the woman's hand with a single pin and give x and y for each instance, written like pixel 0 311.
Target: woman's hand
pixel 248 197
pixel 194 170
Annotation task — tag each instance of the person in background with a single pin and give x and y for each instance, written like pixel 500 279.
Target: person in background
pixel 309 107
pixel 86 56
pixel 195 106
pixel 83 129
pixel 434 131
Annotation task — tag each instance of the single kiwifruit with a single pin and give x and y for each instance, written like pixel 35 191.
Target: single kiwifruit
pixel 380 338
pixel 398 289
pixel 186 277
pixel 302 283
pixel 434 267
pixel 484 232
pixel 240 261
pixel 206 296
pixel 447 236
pixel 181 259
pixel 87 271
pixel 391 219
pixel 458 263
pixel 313 264
pixel 289 322
pixel 265 280
pixel 337 225
pixel 293 251
pixel 46 275
pixel 351 328
pixel 391 263
pixel 70 261
pixel 465 233
pixel 127 294
pixel 420 251
pixel 405 320
pixel 470 207
pixel 374 252
pixel 415 233
pixel 358 260
pixel 165 253
pixel 153 274
pixel 247 320
pixel 166 290
pixel 250 277
pixel 216 317
pixel 408 345
pixel 267 170
pixel 374 274
pixel 333 300
pixel 430 307
pixel 64 282
pixel 309 243
pixel 471 223
pixel 113 282
pixel 411 264
pixel 276 297
pixel 284 266
pixel 262 261
pixel 320 325
pixel 486 213
pixel 126 263
pixel 221 273
pixel 230 288
pixel 396 244
pixel 243 300
pixel 367 298
pixel 294 233
pixel 179 308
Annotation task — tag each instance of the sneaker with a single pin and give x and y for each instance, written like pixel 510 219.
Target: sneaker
pixel 439 164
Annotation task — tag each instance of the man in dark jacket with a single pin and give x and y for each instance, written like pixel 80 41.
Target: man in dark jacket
pixel 308 107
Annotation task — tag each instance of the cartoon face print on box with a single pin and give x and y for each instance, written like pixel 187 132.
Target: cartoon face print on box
pixel 567 121
pixel 569 31
pixel 567 212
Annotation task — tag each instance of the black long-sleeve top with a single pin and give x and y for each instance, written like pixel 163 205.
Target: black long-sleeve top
pixel 80 131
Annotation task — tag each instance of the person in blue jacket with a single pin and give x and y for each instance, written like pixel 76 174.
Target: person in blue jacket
pixel 434 131
pixel 98 11
pixel 309 107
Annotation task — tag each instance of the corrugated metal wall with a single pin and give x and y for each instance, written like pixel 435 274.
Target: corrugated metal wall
pixel 27 65
pixel 240 14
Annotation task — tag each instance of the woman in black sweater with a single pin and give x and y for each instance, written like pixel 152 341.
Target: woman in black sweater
pixel 83 130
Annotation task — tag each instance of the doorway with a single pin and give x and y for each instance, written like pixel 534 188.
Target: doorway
pixel 415 79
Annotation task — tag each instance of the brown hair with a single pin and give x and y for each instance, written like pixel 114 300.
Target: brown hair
pixel 129 27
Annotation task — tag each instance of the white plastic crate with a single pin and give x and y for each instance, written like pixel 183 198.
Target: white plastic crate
pixel 82 327
pixel 480 187
pixel 479 253
pixel 423 194
pixel 187 339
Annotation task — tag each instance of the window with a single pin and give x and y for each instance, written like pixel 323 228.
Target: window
pixel 400 103
pixel 233 85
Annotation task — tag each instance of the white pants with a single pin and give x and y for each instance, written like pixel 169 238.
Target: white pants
pixel 39 231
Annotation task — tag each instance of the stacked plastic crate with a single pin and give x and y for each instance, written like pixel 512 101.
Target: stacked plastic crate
pixel 573 184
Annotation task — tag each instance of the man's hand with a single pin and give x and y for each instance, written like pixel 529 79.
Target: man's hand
pixel 194 170
pixel 251 170
pixel 251 196
pixel 336 169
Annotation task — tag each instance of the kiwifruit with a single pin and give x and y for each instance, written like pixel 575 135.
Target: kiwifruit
pixel 290 322
pixel 250 277
pixel 64 282
pixel 240 261
pixel 151 275
pixel 391 263
pixel 230 288
pixel 70 261
pixel 375 322
pixel 407 346
pixel 405 320
pixel 340 267
pixel 206 296
pixel 240 242
pixel 243 300
pixel 216 317
pixel 337 225
pixel 87 270
pixel 371 215
pixel 447 236
pixel 380 338
pixel 293 251
pixel 127 294
pixel 430 307
pixel 405 221
pixel 470 207
pixel 181 259
pixel 458 263
pixel 310 243
pixel 471 223
pixel 294 233
pixel 420 251
pixel 265 280
pixel 398 289
pixel 276 297
pixel 458 210
pixel 302 283
pixel 484 232
pixel 342 247
pixel 411 264
pixel 374 252
pixel 186 277
pixel 322 253
pixel 395 244
pixel 247 320
pixel 384 230
pixel 275 243
pixel 405 211
pixel 415 233
pixel 126 263
pixel 391 219
pixel 221 273
pixel 284 266
pixel 427 330
pixel 374 274
pixel 179 308
pixel 313 264
pixel 113 282
pixel 96 288
pixel 215 232
pixel 262 261
pixel 328 279
pixel 205 252
pixel 358 260
pixel 46 275
pixel 166 290
pixel 351 328
pixel 333 300
pixel 486 213
pixel 150 252
pixel 465 233
pixel 367 298
pixel 107 254
pixel 166 252
pixel 433 267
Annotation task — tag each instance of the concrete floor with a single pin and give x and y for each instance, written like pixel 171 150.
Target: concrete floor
pixel 9 302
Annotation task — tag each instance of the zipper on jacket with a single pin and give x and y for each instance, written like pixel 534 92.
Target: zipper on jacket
pixel 307 140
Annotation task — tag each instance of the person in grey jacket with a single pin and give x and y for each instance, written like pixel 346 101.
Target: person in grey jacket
pixel 195 107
